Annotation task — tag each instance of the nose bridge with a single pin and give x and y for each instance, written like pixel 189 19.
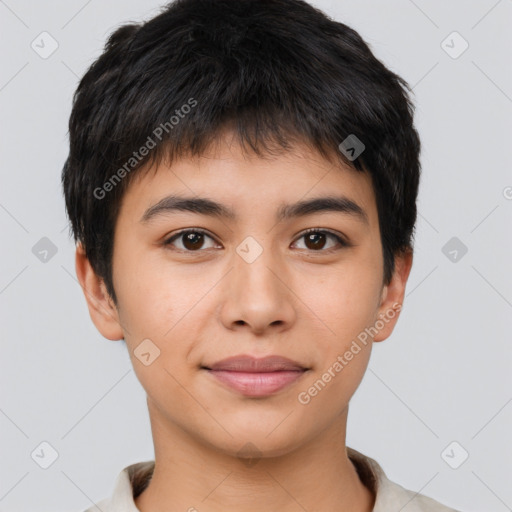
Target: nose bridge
pixel 255 266
pixel 257 295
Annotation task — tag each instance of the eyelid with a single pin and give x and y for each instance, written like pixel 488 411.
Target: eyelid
pixel 341 239
pixel 171 238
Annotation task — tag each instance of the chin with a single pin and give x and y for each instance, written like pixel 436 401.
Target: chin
pixel 256 439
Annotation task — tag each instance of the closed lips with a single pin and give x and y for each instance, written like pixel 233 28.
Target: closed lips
pixel 251 364
pixel 256 377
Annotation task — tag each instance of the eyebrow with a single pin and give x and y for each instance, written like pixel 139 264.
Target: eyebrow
pixel 205 206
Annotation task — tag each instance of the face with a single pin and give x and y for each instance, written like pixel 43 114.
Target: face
pixel 205 282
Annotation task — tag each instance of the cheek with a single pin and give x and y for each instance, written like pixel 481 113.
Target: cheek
pixel 346 304
pixel 345 301
pixel 328 391
pixel 149 301
pixel 162 306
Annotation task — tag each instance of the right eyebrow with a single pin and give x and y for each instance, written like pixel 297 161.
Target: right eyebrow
pixel 199 205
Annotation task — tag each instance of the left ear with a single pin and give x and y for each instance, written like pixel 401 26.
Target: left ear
pixel 393 296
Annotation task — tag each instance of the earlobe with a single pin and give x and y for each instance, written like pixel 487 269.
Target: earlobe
pixel 393 296
pixel 103 312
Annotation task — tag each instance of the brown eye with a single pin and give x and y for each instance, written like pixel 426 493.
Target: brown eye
pixel 316 240
pixel 192 240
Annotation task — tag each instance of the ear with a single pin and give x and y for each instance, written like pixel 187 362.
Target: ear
pixel 393 296
pixel 101 307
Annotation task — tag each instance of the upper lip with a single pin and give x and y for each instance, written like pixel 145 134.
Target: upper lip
pixel 249 364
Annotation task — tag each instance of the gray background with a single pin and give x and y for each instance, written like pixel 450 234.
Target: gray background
pixel 443 376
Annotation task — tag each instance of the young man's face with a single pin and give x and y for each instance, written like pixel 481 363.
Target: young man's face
pixel 252 284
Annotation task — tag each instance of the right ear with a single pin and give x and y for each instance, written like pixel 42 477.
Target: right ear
pixel 101 307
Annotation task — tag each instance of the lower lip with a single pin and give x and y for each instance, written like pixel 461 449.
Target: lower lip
pixel 257 384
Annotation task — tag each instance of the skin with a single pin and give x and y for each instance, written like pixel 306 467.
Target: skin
pixel 201 306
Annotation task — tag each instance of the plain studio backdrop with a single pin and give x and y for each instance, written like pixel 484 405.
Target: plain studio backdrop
pixel 435 407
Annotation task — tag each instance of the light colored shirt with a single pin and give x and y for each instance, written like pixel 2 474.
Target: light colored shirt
pixel 390 497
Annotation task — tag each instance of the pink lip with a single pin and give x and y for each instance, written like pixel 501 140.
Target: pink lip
pixel 256 377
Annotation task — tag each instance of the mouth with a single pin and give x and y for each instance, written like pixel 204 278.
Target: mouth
pixel 255 377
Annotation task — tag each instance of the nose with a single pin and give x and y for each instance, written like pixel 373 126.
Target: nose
pixel 257 297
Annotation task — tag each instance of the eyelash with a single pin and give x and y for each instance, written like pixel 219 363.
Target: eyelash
pixel 341 241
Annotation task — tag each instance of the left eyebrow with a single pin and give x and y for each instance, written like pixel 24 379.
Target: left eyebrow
pixel 205 206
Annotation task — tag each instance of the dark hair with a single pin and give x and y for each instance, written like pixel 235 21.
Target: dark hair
pixel 275 72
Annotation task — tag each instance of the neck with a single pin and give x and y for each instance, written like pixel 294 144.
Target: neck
pixel 190 476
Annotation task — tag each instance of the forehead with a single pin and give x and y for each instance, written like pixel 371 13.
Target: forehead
pixel 247 184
